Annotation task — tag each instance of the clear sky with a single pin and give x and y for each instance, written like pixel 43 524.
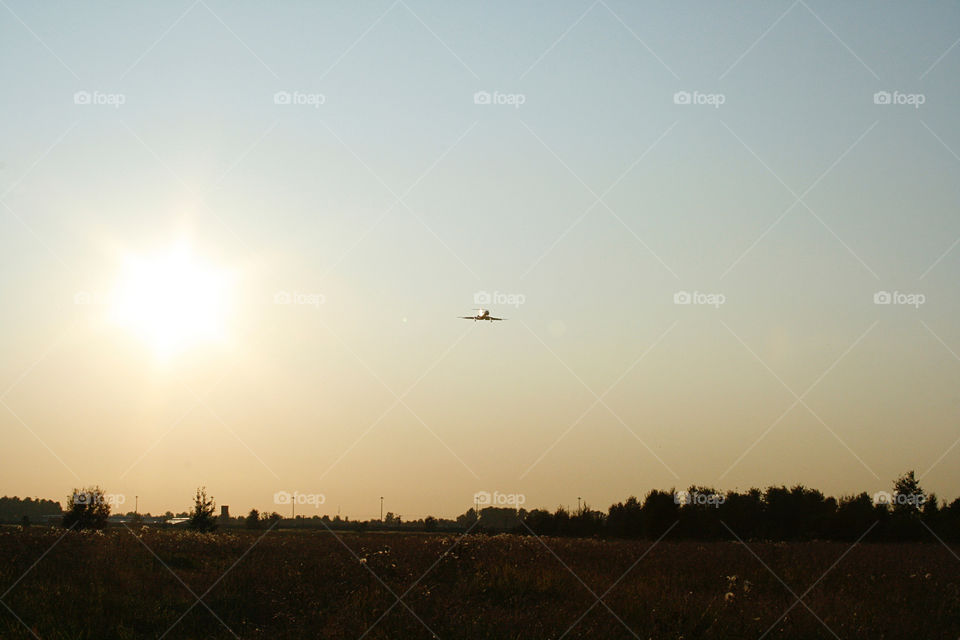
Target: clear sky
pixel 171 174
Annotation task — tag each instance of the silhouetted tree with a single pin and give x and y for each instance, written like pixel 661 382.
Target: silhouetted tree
pixel 930 513
pixel 498 519
pixel 202 518
pixel 908 500
pixel 624 519
pixel 742 513
pixel 252 521
pixel 780 514
pixel 586 522
pixel 908 496
pixel 854 515
pixel 948 521
pixel 86 509
pixel 815 512
pixel 466 520
pixel 561 522
pixel 660 511
pixel 700 513
pixel 540 521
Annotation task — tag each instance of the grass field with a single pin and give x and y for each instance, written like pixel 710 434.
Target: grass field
pixel 290 584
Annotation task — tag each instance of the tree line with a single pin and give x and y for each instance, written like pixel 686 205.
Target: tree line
pixel 700 513
pixel 27 509
pixel 907 513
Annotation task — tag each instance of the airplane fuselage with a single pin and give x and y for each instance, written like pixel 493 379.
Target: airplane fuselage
pixel 482 314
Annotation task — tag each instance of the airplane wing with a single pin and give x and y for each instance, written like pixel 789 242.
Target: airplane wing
pixel 467 317
pixel 492 318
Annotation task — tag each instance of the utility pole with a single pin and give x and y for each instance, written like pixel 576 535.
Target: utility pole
pixel 136 504
pixel 381 509
pixel 578 504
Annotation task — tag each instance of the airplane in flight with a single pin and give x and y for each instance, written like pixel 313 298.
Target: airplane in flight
pixel 482 314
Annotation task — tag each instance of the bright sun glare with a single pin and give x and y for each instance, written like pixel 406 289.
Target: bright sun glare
pixel 172 300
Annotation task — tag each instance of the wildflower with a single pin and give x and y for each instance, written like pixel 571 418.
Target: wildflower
pixel 729 596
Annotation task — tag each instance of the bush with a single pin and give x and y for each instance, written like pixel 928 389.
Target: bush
pixel 86 509
pixel 202 518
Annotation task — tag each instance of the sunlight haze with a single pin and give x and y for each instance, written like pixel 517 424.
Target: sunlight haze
pixel 237 240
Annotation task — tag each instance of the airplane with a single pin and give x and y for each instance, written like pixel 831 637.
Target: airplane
pixel 482 314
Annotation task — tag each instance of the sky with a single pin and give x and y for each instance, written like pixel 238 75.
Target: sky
pixel 236 238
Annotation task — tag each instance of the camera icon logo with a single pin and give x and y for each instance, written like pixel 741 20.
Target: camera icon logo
pixel 882 297
pixel 81 97
pixel 282 97
pixel 282 297
pixel 681 97
pixel 481 97
pixel 481 297
pixel 881 97
pixel 482 497
pixel 682 297
pixel 282 497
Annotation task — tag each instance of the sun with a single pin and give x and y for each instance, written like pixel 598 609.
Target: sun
pixel 172 300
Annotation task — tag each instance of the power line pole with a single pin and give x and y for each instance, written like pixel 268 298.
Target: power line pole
pixel 381 509
pixel 578 504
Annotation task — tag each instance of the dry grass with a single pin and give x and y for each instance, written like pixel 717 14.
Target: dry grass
pixel 309 585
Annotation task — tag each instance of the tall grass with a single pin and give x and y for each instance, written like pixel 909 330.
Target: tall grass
pixel 315 585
